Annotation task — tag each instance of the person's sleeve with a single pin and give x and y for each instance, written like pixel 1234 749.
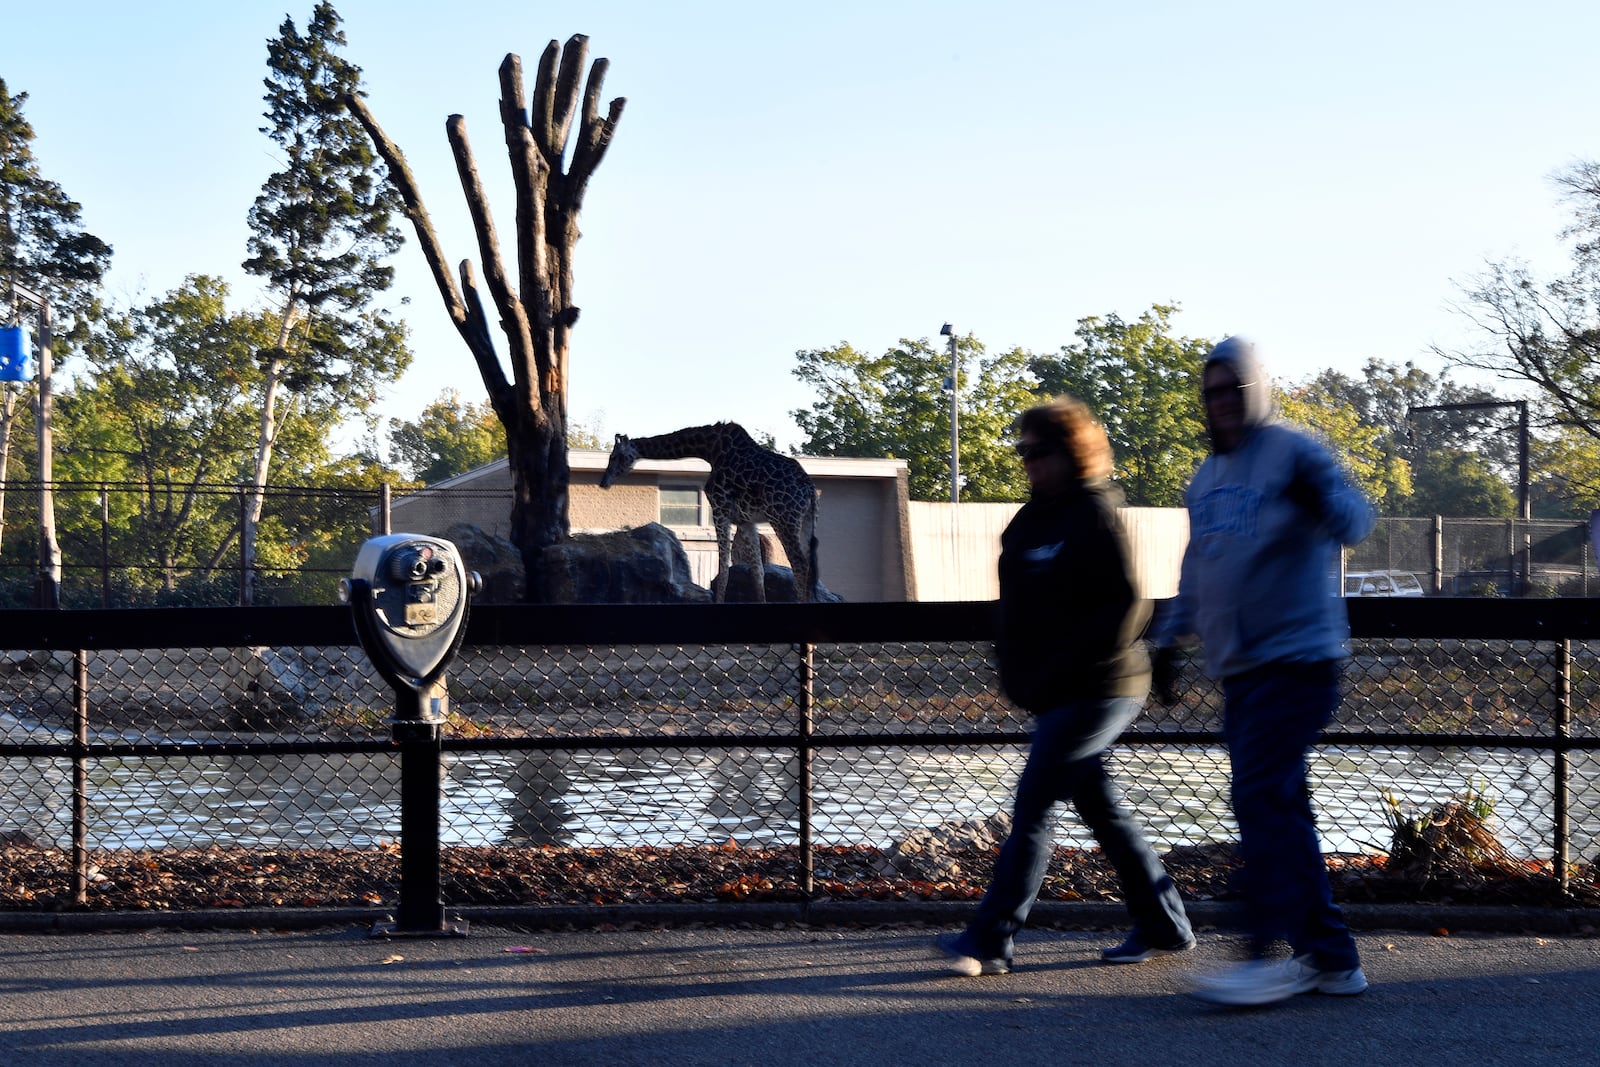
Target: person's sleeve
pixel 1345 510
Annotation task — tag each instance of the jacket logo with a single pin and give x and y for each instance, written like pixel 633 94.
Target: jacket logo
pixel 1044 553
pixel 1226 511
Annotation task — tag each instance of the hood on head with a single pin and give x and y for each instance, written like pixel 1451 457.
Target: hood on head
pixel 1239 353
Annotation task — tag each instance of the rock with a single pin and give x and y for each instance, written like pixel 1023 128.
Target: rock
pixel 497 561
pixel 779 586
pixel 644 565
pixel 935 853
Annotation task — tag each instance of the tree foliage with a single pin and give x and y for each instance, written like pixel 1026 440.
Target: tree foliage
pixel 895 405
pixel 164 415
pixel 1381 474
pixel 43 243
pixel 1143 384
pixel 321 234
pixel 1426 462
pixel 1545 334
pixel 448 438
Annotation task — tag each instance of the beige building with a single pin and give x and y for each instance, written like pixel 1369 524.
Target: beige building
pixel 863 540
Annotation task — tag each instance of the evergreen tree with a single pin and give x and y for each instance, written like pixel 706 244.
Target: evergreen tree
pixel 321 235
pixel 42 241
pixel 43 247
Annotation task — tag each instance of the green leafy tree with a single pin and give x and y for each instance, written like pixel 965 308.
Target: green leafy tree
pixel 1382 475
pixel 449 438
pixel 1390 399
pixel 893 405
pixel 321 235
pixel 1143 384
pixel 43 247
pixel 1566 475
pixel 1458 484
pixel 164 414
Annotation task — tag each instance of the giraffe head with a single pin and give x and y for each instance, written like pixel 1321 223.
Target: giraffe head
pixel 624 454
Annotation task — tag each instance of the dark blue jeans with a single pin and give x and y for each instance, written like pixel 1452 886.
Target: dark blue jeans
pixel 1067 763
pixel 1273 716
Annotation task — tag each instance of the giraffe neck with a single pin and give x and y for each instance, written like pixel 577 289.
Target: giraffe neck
pixel 702 442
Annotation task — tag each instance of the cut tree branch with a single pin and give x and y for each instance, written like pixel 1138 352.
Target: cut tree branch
pixel 513 317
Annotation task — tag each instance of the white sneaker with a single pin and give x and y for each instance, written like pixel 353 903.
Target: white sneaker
pixel 1334 983
pixel 1256 982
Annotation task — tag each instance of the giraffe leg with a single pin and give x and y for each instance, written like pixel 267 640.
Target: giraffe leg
pixel 719 586
pixel 799 553
pixel 747 550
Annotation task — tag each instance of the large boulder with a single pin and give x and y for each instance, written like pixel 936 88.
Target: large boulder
pixel 644 565
pixel 497 561
pixel 779 585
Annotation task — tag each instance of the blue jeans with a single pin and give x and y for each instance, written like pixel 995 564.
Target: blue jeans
pixel 1273 715
pixel 1067 762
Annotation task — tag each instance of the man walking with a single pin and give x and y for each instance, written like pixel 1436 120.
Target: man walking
pixel 1268 512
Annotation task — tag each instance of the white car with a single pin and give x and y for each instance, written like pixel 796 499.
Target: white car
pixel 1382 583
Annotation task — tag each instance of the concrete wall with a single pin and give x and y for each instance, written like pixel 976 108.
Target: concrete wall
pixel 955 548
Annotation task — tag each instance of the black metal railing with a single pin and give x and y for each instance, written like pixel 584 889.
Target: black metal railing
pixel 799 729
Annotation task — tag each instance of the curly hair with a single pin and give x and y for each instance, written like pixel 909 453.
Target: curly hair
pixel 1068 422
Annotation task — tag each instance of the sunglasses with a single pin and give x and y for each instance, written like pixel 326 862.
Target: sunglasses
pixel 1037 450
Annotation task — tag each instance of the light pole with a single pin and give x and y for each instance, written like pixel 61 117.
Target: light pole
pixel 47 589
pixel 955 419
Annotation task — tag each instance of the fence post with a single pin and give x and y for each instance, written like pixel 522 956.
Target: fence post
pixel 807 722
pixel 1563 765
pixel 244 560
pixel 385 519
pixel 80 776
pixel 1438 556
pixel 105 546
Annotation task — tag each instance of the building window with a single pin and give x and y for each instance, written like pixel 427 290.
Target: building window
pixel 680 505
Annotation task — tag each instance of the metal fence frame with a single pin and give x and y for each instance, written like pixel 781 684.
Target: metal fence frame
pixel 804 627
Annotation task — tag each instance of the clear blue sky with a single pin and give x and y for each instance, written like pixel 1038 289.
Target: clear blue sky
pixel 791 176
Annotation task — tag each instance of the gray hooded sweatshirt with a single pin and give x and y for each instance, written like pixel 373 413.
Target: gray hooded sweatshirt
pixel 1260 578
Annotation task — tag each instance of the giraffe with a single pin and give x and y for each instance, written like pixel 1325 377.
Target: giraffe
pixel 747 483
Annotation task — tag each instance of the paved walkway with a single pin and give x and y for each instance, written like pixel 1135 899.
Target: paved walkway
pixel 761 996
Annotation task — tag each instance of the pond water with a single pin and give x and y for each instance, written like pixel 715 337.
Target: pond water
pixel 667 797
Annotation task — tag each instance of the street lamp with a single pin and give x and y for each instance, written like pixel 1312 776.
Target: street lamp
pixel 955 425
pixel 47 590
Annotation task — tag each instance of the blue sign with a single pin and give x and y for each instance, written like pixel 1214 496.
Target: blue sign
pixel 16 362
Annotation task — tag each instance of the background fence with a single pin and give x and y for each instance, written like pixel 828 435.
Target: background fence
pixel 202 758
pixel 125 545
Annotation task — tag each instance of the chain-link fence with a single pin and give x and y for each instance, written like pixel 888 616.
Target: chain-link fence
pixel 132 545
pixel 216 758
pixel 1483 557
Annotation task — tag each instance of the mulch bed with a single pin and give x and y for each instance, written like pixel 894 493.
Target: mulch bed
pixel 37 879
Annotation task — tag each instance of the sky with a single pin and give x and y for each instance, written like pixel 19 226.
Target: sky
pixel 1323 178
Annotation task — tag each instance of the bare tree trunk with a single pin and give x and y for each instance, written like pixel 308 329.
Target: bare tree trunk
pixel 535 308
pixel 256 501
pixel 8 412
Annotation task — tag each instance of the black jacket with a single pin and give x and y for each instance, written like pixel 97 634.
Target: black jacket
pixel 1070 621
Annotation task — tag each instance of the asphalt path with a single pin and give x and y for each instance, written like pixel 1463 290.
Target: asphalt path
pixel 766 996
